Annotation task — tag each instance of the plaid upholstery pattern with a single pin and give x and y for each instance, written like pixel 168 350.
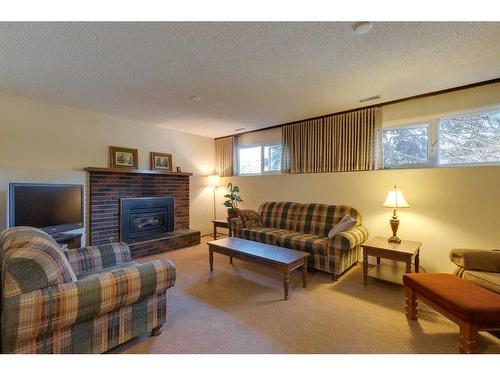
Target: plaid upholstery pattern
pixel 93 258
pixel 351 238
pixel 111 300
pixel 32 260
pixel 305 227
pixel 318 219
pixel 101 333
pixel 279 214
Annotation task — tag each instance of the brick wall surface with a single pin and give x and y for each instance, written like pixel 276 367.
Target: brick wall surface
pixel 107 188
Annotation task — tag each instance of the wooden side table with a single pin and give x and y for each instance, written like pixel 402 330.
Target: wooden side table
pixel 221 223
pixel 406 252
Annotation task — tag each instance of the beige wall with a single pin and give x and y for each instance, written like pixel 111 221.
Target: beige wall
pixel 43 142
pixel 450 207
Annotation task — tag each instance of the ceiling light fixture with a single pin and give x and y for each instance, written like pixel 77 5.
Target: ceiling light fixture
pixel 360 28
pixel 369 98
pixel 195 98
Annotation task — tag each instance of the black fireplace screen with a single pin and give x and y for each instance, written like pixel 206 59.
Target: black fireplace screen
pixel 146 218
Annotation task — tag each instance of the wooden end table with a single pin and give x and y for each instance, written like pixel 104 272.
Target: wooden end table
pixel 285 260
pixel 406 252
pixel 221 223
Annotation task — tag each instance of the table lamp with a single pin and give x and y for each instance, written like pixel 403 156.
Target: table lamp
pixel 214 181
pixel 395 199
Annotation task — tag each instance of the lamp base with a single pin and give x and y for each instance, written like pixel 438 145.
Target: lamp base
pixel 394 239
pixel 394 226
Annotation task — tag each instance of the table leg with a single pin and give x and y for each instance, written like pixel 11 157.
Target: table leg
pixel 211 259
pixel 230 260
pixel 417 262
pixel 365 267
pixel 304 274
pixel 408 266
pixel 286 282
pixel 215 231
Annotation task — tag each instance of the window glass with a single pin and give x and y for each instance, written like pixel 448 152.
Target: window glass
pixel 405 146
pixel 470 139
pixel 272 158
pixel 249 160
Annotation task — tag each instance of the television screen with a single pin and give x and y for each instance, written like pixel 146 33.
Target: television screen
pixel 54 208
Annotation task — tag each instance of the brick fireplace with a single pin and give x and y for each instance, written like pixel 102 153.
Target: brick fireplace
pixel 110 188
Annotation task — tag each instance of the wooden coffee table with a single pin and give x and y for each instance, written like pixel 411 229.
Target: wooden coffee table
pixel 285 260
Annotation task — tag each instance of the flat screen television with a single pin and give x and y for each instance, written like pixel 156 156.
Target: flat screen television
pixel 53 208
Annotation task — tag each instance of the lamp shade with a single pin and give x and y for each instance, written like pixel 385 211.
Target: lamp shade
pixel 395 199
pixel 214 180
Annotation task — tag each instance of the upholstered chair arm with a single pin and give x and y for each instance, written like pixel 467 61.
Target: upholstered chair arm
pixel 245 219
pixel 350 238
pixel 29 315
pixel 235 224
pixel 95 258
pixel 476 259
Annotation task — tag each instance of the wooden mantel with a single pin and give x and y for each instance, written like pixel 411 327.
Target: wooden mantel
pixel 132 170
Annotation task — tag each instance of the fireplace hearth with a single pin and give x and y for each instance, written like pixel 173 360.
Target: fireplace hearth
pixel 146 218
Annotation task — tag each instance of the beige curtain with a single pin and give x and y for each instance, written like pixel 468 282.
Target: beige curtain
pixel 337 143
pixel 224 152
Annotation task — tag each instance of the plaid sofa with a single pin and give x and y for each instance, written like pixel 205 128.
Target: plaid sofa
pixel 305 227
pixel 84 300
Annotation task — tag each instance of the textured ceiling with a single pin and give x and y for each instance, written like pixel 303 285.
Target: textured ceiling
pixel 249 75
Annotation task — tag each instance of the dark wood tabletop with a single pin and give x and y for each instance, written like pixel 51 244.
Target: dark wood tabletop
pixel 260 250
pixel 281 258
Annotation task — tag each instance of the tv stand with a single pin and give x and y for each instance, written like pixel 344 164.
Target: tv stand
pixel 68 240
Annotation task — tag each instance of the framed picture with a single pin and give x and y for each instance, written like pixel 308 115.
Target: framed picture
pixel 161 161
pixel 122 157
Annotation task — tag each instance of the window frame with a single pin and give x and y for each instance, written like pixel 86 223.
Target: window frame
pixel 472 112
pixel 262 171
pixel 433 137
pixel 413 125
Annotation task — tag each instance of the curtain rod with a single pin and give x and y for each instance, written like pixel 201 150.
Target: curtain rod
pixel 419 96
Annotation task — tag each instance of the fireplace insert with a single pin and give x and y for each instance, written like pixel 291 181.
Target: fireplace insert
pixel 142 219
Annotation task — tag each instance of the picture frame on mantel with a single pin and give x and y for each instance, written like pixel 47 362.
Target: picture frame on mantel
pixel 123 157
pixel 161 161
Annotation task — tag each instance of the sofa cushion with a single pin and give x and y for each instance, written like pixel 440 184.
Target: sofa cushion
pixel 287 238
pixel 346 223
pixel 281 215
pixel 262 234
pixel 310 243
pixel 32 260
pixel 488 280
pixel 315 218
pixel 463 299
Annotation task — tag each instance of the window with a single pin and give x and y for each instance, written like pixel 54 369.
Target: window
pixel 406 146
pixel 249 160
pixel 259 159
pixel 272 158
pixel 461 139
pixel 469 139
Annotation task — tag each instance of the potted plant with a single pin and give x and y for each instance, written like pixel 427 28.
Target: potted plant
pixel 233 199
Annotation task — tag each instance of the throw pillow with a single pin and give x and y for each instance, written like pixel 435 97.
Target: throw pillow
pixel 346 223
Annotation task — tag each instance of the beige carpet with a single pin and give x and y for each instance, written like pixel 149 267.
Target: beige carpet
pixel 239 309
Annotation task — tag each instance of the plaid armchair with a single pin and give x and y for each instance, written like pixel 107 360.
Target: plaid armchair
pixel 305 227
pixel 84 300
